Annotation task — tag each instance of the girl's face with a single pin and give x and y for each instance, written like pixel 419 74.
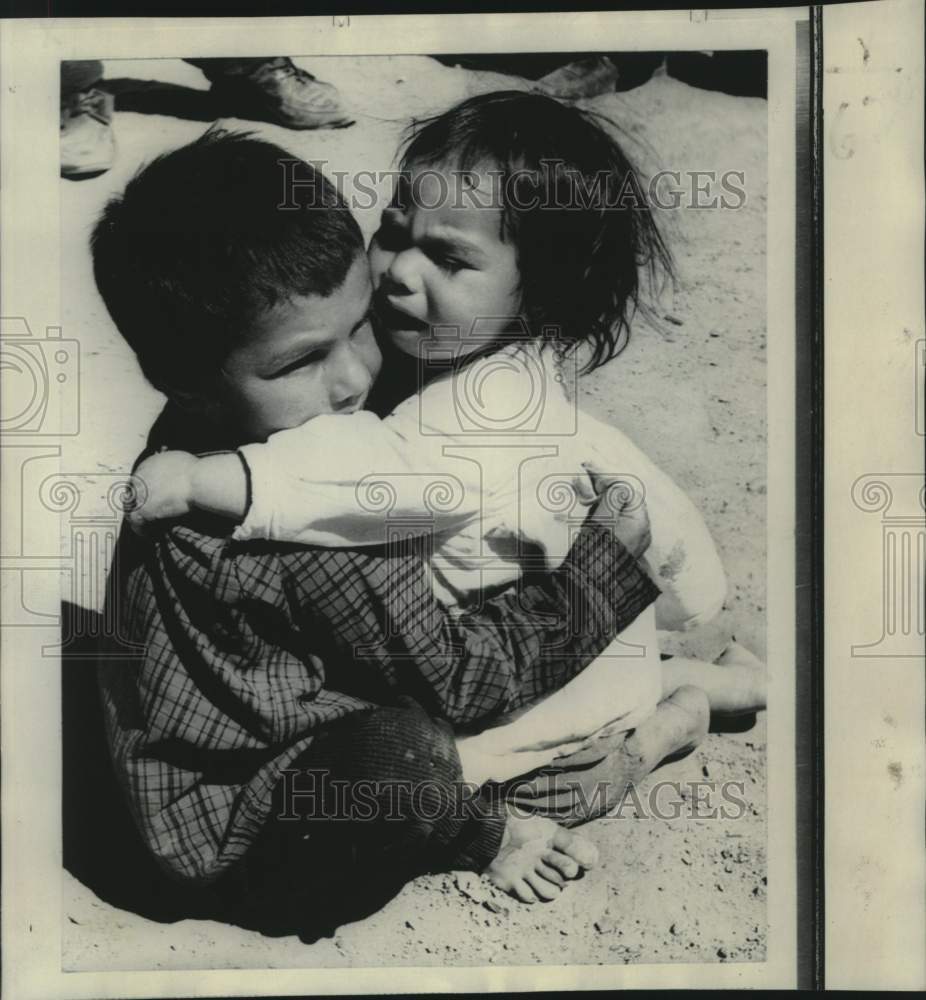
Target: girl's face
pixel 439 264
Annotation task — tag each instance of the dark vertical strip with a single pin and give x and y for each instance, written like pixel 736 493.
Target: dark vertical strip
pixel 817 497
pixel 804 449
pixel 809 501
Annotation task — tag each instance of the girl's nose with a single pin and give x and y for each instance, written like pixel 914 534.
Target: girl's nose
pixel 402 277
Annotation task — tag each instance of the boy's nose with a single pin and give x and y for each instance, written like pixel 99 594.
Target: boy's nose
pixel 348 404
pixel 351 383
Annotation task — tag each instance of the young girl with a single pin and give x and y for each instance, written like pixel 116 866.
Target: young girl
pixel 513 246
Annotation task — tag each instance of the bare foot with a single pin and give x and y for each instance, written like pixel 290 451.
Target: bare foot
pixel 734 683
pixel 745 688
pixel 537 857
pixel 579 788
pixel 678 725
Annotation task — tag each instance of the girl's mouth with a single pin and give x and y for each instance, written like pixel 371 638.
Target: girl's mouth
pixel 397 319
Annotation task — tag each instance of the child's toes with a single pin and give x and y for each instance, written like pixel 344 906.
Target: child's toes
pixel 578 848
pixel 550 873
pixel 503 878
pixel 521 890
pixel 545 890
pixel 566 866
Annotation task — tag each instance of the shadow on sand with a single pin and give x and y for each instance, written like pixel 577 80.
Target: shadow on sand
pixel 153 97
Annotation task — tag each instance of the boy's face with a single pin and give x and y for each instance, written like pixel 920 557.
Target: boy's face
pixel 439 260
pixel 308 356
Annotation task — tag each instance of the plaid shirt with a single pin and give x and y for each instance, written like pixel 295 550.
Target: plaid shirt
pixel 246 649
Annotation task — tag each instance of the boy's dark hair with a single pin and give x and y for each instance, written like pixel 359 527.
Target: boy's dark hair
pixel 571 203
pixel 198 246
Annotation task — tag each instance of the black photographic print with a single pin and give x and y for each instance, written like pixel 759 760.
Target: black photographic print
pixel 615 205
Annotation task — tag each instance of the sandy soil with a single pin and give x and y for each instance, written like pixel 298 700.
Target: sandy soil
pixel 690 389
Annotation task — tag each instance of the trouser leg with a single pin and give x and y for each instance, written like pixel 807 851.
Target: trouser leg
pixel 377 800
pixel 218 69
pixel 272 89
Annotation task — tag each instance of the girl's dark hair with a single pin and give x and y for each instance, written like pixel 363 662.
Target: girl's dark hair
pixel 208 237
pixel 571 203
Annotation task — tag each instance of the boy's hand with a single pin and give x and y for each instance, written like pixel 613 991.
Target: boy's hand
pixel 618 503
pixel 164 487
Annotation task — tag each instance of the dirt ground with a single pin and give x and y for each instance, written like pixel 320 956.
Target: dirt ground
pixel 690 389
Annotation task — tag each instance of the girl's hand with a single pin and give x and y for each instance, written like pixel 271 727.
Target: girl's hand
pixel 619 504
pixel 163 486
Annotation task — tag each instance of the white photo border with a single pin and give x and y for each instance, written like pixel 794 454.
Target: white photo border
pixel 31 52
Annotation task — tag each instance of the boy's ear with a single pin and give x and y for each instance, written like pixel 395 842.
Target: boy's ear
pixel 199 404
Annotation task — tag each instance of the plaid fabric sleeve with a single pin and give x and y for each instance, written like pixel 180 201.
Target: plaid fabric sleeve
pixel 379 612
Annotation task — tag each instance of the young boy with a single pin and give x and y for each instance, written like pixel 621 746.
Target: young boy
pixel 269 668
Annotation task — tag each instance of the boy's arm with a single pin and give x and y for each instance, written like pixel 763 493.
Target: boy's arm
pixel 379 611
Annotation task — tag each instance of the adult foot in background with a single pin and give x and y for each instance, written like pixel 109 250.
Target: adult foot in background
pixel 273 90
pixel 88 146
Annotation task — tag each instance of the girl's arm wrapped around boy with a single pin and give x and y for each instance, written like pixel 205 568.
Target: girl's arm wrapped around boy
pixel 333 481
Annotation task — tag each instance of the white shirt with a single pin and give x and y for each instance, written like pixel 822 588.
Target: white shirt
pixel 483 459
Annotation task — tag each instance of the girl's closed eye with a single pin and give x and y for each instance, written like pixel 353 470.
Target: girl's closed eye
pixel 451 264
pixel 314 357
